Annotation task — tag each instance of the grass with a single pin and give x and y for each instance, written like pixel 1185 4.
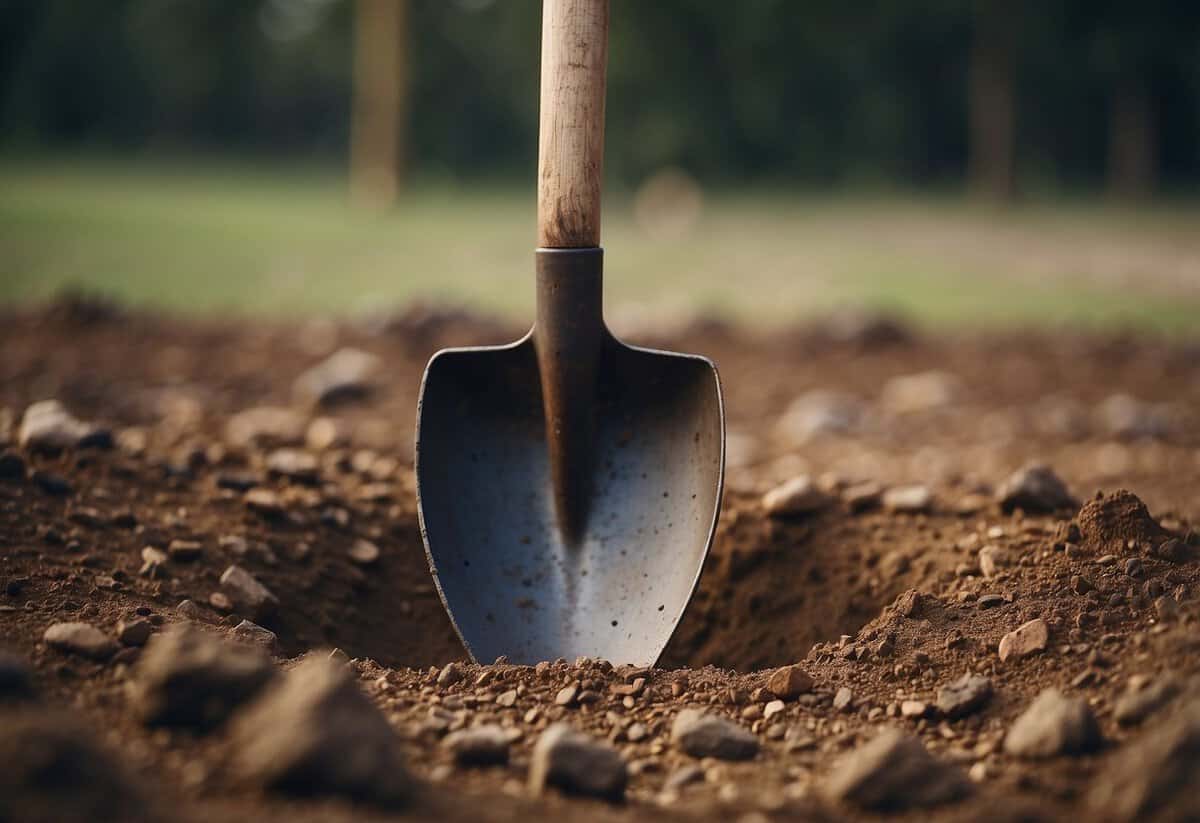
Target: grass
pixel 204 238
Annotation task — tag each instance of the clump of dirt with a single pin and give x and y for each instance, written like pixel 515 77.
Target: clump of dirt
pixel 1117 523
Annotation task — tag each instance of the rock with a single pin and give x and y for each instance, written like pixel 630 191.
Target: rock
pixel 190 610
pixel 364 552
pixel 152 562
pixel 893 773
pixel 256 634
pixel 1128 418
pixel 576 764
pixel 992 559
pixel 1155 776
pixel 797 496
pixel 908 499
pixel 16 680
pixel 189 679
pixel 1028 638
pixel 789 682
pixel 683 776
pixel 293 464
pixel 1053 725
pixel 1035 488
pixel 48 426
pixel 52 771
pixel 843 699
pixel 346 374
pixel 927 391
pixel 317 734
pixel 326 432
pixel 1173 550
pixel 134 632
pixel 862 496
pixel 83 639
pixel 706 735
pixel 264 502
pixel 910 604
pixel 184 550
pixel 450 674
pixel 913 709
pixel 1166 608
pixel 964 696
pixel 1142 698
pixel 264 426
pixel 479 746
pixel 250 597
pixel 820 412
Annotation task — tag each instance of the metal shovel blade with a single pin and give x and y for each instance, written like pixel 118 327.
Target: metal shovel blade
pixel 515 578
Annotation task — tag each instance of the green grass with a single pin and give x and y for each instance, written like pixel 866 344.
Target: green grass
pixel 207 238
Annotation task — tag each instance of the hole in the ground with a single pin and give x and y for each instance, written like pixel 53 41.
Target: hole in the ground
pixel 769 591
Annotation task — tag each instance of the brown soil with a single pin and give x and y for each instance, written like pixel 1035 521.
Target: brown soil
pixel 820 589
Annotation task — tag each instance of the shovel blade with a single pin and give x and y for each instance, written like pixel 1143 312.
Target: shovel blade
pixel 512 582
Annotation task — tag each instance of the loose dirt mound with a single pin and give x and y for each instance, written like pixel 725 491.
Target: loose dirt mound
pixel 908 593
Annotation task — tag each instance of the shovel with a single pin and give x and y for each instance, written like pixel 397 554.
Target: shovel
pixel 568 484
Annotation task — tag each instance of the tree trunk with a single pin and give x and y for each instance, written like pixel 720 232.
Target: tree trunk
pixel 1132 149
pixel 992 101
pixel 377 151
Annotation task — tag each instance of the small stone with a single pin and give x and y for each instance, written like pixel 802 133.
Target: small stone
pixel 317 734
pixel 264 502
pixel 1142 699
pixel 1053 725
pixel 1166 608
pixel 1027 639
pixel 892 773
pixel 576 764
pixel 789 682
pixel 964 696
pixel 795 497
pixel 684 776
pixel 820 412
pixel 843 699
pixel 293 464
pixel 221 602
pixel 773 708
pixel 992 559
pixel 862 496
pixel 566 695
pixel 346 374
pixel 249 596
pixel 325 433
pixel 990 601
pixel 184 550
pixel 364 552
pixel 913 709
pixel 82 639
pixel 264 426
pixel 134 632
pixel 188 678
pixel 190 610
pixel 1035 488
pixel 909 604
pixel 238 481
pixel 48 426
pixel 705 735
pixel 256 634
pixel 450 674
pixel 507 700
pixel 923 392
pixel 478 746
pixel 1173 550
pixel 908 499
pixel 152 562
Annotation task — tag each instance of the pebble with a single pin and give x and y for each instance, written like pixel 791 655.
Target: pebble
pixel 82 639
pixel 1029 638
pixel 892 773
pixel 1142 698
pixel 190 610
pixel 922 392
pixel 843 699
pixel 249 596
pixel 773 708
pixel 820 412
pixel 913 709
pixel 964 696
pixel 256 634
pixel 134 632
pixel 479 746
pixel 1036 489
pixel 48 426
pixel 789 682
pixel 450 674
pixel 862 496
pixel 1166 608
pixel 364 552
pixel 684 776
pixel 263 501
pixel 992 559
pixel 293 464
pixel 264 426
pixel 187 678
pixel 795 497
pixel 908 499
pixel 184 550
pixel 348 373
pixel 576 764
pixel 316 733
pixel 706 735
pixel 1053 725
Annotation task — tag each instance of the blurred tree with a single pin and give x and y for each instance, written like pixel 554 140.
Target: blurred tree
pixel 993 101
pixel 377 133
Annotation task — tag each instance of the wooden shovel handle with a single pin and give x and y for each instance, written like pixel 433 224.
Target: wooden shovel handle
pixel 571 133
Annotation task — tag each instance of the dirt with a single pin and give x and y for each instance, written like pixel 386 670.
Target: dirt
pixel 887 605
